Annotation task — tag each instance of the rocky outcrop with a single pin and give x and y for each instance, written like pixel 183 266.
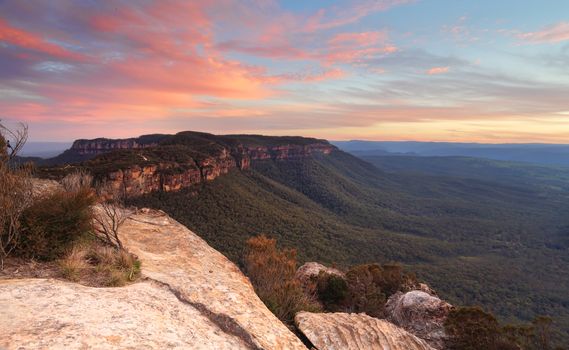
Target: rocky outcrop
pixel 191 297
pixel 312 269
pixel 103 145
pixel 290 151
pixel 341 331
pixel 186 159
pixel 175 257
pixel 421 314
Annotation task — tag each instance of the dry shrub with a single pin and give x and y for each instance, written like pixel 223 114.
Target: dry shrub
pixel 101 255
pixel 99 265
pixel 74 264
pixel 53 223
pixel 15 189
pixel 15 197
pixel 365 295
pixel 332 291
pixel 110 214
pixel 272 273
pixel 76 181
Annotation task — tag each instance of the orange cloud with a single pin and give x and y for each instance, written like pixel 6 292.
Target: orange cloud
pixel 362 39
pixel 353 47
pixel 337 17
pixel 438 70
pixel 30 41
pixel 552 34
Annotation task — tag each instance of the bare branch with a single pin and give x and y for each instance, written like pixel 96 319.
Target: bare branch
pixel 15 138
pixel 110 215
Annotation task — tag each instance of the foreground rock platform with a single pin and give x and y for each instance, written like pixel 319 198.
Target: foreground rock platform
pixel 191 297
pixel 342 331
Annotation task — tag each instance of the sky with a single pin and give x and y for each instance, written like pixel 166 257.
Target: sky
pixel 428 70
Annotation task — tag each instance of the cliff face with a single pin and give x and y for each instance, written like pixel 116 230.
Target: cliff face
pixel 103 145
pixel 170 163
pixel 191 297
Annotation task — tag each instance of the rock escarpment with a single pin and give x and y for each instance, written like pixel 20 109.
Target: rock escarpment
pixel 341 331
pixel 166 163
pixel 421 314
pixel 191 297
pixel 102 145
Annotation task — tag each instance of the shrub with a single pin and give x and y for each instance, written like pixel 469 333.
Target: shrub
pixel 364 293
pixel 470 328
pixel 15 189
pixel 272 273
pixel 73 264
pixel 391 279
pixel 15 197
pixel 96 264
pixel 332 291
pixel 76 181
pixel 110 214
pixel 52 223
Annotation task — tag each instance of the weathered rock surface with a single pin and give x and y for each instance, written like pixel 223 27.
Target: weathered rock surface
pixel 192 297
pixel 421 314
pixel 52 314
pixel 198 274
pixel 312 269
pixel 307 273
pixel 342 331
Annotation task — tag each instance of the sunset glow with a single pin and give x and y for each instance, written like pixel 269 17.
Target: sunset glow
pixel 483 71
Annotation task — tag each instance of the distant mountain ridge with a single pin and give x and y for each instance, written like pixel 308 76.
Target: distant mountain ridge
pixel 549 154
pixel 166 163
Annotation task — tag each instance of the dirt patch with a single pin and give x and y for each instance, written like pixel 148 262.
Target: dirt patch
pixel 24 268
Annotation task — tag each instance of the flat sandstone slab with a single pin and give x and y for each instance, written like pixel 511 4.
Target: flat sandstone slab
pixel 342 331
pixel 52 314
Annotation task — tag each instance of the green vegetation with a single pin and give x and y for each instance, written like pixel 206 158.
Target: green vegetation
pixel 366 288
pixel 476 241
pixel 471 328
pixel 56 225
pixel 332 291
pixel 272 272
pixel 52 224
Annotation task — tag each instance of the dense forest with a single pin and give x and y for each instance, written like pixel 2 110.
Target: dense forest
pixel 496 238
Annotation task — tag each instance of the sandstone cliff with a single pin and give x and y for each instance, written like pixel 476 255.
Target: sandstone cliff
pixel 341 331
pixel 192 297
pixel 171 162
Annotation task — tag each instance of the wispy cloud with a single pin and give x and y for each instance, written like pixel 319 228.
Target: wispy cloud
pixel 551 34
pixel 437 70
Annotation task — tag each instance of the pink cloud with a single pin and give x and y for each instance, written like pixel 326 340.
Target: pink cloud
pixel 552 34
pixel 362 39
pixel 341 16
pixel 351 55
pixel 31 41
pixel 438 70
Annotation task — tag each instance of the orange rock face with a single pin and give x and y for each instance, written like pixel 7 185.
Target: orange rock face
pixel 172 176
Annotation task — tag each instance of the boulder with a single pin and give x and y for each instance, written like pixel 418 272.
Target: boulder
pixel 421 314
pixel 342 331
pixel 191 297
pixel 313 269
